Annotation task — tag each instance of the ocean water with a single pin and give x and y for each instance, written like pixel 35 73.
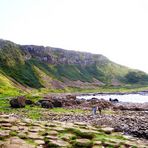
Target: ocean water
pixel 134 98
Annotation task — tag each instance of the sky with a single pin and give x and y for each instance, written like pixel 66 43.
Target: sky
pixel 117 29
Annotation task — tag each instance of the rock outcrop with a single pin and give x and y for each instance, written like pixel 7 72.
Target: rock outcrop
pixel 18 102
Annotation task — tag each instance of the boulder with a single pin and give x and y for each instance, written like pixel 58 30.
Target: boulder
pixel 46 104
pixel 18 102
pixel 29 102
pixel 57 103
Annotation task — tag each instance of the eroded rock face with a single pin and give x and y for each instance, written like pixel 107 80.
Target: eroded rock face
pixel 18 102
pixel 61 56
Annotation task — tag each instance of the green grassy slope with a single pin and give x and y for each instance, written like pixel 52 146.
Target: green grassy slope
pixel 15 65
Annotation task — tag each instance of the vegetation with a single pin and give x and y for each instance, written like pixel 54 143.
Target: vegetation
pixel 17 71
pixel 137 77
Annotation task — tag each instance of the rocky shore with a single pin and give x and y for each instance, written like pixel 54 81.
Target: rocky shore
pixel 27 133
pixel 122 119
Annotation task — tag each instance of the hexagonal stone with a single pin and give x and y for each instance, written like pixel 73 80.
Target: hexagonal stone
pixel 16 140
pixel 81 124
pixel 83 143
pixel 39 142
pixel 98 146
pixel 18 146
pixel 22 135
pixel 107 130
pixel 2 120
pixel 97 142
pixel 52 137
pixel 4 134
pixel 50 125
pixel 5 124
pixel 14 128
pixel 58 143
pixel 59 129
pixel 35 129
pixel 53 133
pixel 68 137
pixel 4 116
pixel 22 124
pixel 35 136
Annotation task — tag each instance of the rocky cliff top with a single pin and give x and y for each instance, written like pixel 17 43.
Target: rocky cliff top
pixel 61 56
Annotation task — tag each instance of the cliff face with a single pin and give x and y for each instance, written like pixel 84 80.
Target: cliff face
pixel 61 56
pixel 39 66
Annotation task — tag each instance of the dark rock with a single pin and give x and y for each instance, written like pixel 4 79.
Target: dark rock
pixel 57 103
pixel 37 103
pixel 18 102
pixel 113 100
pixel 46 104
pixel 29 102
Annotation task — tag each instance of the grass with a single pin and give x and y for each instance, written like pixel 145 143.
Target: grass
pixel 13 133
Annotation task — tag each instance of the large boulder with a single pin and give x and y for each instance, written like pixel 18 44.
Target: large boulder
pixel 57 103
pixel 18 102
pixel 46 104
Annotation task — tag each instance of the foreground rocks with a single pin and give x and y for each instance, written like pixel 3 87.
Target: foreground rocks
pixel 18 102
pixel 26 133
pixel 122 119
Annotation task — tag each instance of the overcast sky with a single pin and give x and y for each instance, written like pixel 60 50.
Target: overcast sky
pixel 117 29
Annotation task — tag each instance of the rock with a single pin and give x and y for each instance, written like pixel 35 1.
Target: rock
pixel 4 134
pixel 6 125
pixel 83 143
pixel 46 104
pixel 68 137
pixel 58 143
pixel 58 129
pixel 18 102
pixel 35 136
pixel 15 142
pixel 107 130
pixel 97 143
pixel 22 135
pixel 4 116
pixel 53 133
pixel 39 142
pixel 29 102
pixel 57 103
pixel 52 137
pixel 37 129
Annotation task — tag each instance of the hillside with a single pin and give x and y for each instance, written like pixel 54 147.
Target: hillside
pixel 30 66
